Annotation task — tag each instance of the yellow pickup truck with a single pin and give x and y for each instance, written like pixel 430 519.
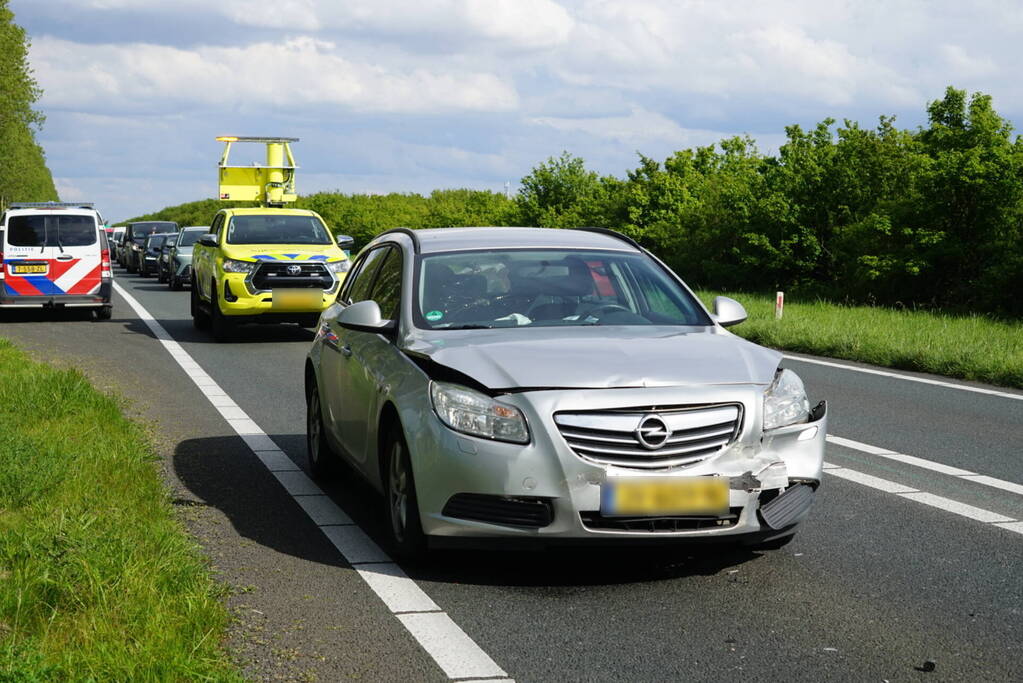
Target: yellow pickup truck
pixel 264 265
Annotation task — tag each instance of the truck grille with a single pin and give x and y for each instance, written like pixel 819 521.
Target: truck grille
pixel 651 437
pixel 312 276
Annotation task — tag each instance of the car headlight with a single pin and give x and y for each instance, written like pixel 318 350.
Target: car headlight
pixel 785 401
pixel 234 266
pixel 339 266
pixel 471 412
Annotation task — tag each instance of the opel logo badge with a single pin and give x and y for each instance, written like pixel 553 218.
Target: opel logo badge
pixel 652 433
pixel 294 270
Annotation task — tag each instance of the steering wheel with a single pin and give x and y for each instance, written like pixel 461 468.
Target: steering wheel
pixel 605 309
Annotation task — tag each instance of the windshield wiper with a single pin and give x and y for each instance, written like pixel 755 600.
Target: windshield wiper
pixel 471 326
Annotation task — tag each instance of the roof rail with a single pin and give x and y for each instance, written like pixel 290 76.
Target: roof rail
pixel 50 205
pixel 612 233
pixel 411 234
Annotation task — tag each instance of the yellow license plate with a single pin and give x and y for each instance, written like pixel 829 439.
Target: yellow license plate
pixel 296 299
pixel 24 270
pixel 664 496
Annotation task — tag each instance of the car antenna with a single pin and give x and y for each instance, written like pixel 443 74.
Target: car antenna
pixel 272 184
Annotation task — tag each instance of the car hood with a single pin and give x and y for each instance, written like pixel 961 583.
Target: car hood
pixel 283 252
pixel 596 357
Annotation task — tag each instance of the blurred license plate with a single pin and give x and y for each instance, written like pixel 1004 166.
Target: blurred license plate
pixel 296 299
pixel 25 270
pixel 664 496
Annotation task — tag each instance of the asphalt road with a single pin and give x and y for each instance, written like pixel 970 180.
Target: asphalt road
pixel 876 584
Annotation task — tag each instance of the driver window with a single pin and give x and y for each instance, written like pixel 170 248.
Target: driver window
pixel 387 288
pixel 359 288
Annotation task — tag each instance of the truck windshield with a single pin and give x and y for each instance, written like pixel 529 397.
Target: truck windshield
pixel 277 230
pixel 42 230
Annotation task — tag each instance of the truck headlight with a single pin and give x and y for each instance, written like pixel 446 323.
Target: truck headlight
pixel 234 266
pixel 785 401
pixel 471 412
pixel 339 266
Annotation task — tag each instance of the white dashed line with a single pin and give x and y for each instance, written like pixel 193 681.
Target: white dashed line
pixel 908 378
pixel 458 656
pixel 941 468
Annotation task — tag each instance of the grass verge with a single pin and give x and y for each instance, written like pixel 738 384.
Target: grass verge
pixel 98 581
pixel 967 347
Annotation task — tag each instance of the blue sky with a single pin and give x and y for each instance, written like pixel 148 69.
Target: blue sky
pixel 411 96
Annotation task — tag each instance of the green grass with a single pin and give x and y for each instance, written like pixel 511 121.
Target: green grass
pixel 98 581
pixel 967 347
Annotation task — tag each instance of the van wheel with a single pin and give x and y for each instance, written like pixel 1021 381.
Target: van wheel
pixel 174 282
pixel 104 312
pixel 220 325
pixel 200 320
pixel 402 506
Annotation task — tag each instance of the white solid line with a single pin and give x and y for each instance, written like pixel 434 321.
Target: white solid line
pixel 396 589
pixel 297 483
pixel 449 646
pixel 323 511
pixel 957 508
pixel 453 651
pixel 957 472
pixel 908 378
pixel 871 481
pixel 355 545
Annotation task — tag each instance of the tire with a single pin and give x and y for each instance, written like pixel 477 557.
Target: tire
pixel 322 458
pixel 401 505
pixel 220 325
pixel 129 266
pixel 142 269
pixel 174 282
pixel 161 277
pixel 104 312
pixel 200 320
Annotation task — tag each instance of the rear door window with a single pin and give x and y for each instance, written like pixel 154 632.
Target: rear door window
pixel 52 231
pixel 387 289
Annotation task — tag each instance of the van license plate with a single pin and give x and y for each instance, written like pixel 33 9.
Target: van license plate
pixel 25 270
pixel 664 496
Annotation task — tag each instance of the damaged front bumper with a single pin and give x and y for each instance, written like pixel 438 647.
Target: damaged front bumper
pixel 474 489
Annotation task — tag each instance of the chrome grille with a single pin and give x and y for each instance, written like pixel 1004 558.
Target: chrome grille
pixel 651 437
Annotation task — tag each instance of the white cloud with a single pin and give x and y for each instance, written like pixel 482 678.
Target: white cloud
pixel 296 72
pixel 638 127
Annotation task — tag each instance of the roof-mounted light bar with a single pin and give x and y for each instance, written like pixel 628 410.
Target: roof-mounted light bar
pixel 50 205
pixel 241 138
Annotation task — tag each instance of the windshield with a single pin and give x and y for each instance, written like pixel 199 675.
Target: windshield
pixel 271 229
pixel 139 231
pixel 190 237
pixel 545 288
pixel 49 230
pixel 155 241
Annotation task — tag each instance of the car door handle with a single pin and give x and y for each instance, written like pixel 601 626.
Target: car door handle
pixel 346 350
pixel 65 257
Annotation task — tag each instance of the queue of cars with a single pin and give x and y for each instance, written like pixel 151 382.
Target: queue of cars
pixel 517 384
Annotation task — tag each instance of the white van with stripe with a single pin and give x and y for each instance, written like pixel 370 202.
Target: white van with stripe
pixel 54 254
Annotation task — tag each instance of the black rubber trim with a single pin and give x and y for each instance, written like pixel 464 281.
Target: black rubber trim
pixel 408 232
pixel 787 508
pixel 613 233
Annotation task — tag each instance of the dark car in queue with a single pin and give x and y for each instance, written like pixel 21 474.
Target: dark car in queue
pixel 179 257
pixel 135 236
pixel 164 258
pixel 149 255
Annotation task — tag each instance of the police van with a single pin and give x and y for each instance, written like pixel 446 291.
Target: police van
pixel 54 254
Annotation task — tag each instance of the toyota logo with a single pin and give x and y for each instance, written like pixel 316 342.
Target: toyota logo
pixel 652 433
pixel 294 270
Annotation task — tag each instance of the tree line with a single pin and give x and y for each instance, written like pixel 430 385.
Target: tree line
pixel 23 173
pixel 931 217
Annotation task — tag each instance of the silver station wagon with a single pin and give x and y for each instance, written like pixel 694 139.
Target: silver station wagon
pixel 554 386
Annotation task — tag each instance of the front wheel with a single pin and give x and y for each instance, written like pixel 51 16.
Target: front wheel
pixel 406 530
pixel 322 459
pixel 200 320
pixel 104 312
pixel 220 324
pixel 174 282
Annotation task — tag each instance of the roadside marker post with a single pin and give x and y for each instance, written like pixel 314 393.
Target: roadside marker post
pixel 779 305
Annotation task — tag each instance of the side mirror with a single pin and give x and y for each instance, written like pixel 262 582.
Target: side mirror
pixel 728 312
pixel 209 240
pixel 346 242
pixel 364 316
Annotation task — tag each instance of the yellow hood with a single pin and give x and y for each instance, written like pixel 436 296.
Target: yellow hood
pixel 283 252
